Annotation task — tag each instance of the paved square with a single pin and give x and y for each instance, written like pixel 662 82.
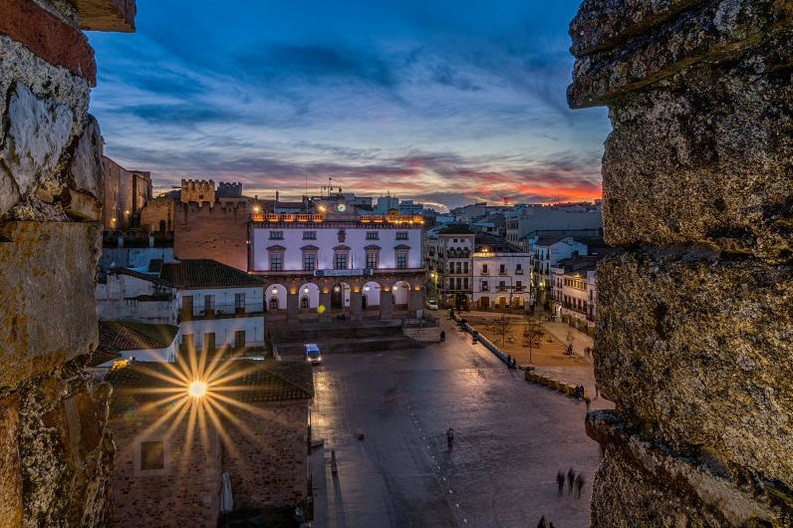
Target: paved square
pixel 511 439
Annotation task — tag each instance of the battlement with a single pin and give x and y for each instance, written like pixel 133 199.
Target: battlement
pixel 217 209
pixel 229 190
pixel 198 191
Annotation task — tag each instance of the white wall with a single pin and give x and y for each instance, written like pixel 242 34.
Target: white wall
pixel 116 300
pixel 224 330
pixel 224 299
pixel 327 239
pixel 511 277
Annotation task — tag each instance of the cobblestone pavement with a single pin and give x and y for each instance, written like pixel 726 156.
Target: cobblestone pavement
pixel 511 439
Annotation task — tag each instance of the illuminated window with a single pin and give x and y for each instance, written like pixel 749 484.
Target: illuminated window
pixel 152 455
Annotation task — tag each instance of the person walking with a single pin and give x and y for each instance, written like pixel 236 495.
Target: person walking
pixel 542 523
pixel 570 480
pixel 560 482
pixel 579 484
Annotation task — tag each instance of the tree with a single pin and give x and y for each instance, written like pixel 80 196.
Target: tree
pixel 533 333
pixel 570 340
pixel 501 327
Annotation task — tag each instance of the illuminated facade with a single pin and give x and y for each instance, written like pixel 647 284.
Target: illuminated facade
pixel 332 260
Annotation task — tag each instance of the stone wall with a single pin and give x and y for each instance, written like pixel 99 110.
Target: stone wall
pixel 219 232
pixel 158 212
pixel 695 328
pixel 55 449
pixel 187 491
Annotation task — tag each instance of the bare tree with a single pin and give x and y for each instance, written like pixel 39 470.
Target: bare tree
pixel 533 334
pixel 501 327
pixel 570 340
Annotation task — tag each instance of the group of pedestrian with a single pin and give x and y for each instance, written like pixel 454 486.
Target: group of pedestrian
pixel 512 363
pixel 572 480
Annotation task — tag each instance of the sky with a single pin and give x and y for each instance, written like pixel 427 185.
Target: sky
pixel 441 101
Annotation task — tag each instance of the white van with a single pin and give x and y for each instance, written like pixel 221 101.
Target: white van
pixel 313 354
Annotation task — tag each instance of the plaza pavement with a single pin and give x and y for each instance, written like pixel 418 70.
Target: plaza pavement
pixel 511 439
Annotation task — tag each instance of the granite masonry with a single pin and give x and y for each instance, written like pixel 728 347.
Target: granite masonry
pixel 55 449
pixel 695 331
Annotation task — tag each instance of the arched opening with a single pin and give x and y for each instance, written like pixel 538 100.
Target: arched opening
pixel 275 296
pixel 371 293
pixel 309 296
pixel 340 296
pixel 401 294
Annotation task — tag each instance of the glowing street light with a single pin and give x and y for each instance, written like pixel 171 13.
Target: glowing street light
pixel 197 389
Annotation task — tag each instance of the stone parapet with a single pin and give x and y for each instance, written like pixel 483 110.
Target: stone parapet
pixel 695 351
pixel 623 45
pixel 684 166
pixel 646 484
pixel 693 341
pixel 49 311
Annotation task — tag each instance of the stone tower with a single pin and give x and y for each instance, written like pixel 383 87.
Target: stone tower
pixel 199 191
pixel 55 449
pixel 695 340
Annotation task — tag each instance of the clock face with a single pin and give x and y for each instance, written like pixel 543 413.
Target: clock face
pixel 341 208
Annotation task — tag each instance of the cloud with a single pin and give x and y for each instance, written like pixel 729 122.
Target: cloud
pixel 444 102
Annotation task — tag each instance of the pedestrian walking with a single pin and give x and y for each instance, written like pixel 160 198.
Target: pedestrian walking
pixel 579 484
pixel 570 480
pixel 542 523
pixel 560 482
pixel 588 402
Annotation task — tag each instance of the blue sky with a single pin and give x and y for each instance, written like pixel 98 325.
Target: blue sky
pixel 444 102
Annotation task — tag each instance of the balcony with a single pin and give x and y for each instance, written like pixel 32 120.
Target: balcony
pixel 222 311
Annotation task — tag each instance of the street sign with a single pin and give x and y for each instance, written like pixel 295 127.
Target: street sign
pixel 366 272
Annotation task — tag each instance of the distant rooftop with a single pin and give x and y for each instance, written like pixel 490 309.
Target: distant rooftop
pixel 495 244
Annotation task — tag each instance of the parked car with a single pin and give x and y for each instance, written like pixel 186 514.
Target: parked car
pixel 432 305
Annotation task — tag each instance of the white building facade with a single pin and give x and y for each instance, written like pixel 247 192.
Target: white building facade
pixel 575 294
pixel 501 279
pixel 546 253
pixel 334 262
pixel 217 308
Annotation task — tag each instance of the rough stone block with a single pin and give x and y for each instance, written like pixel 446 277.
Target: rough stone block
pixel 10 474
pixel 38 131
pixel 81 206
pixel 66 450
pixel 48 37
pixel 647 41
pixel 107 15
pixel 86 167
pixel 706 157
pixel 696 353
pixel 643 484
pixel 47 283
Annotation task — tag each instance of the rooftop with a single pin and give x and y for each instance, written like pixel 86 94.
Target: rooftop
pixel 495 244
pixel 118 336
pixel 456 229
pixel 195 273
pixel 247 380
